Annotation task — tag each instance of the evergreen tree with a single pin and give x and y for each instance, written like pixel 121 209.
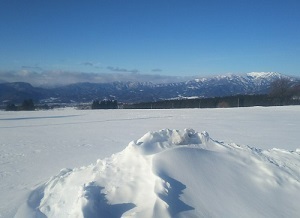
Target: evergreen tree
pixel 105 104
pixel 28 105
pixel 95 104
pixel 11 107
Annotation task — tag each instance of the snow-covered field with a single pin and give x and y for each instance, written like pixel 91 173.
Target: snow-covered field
pixel 108 163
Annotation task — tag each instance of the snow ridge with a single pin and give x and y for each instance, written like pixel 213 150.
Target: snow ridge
pixel 172 173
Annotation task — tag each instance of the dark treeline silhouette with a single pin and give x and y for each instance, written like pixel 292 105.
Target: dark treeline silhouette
pixel 11 107
pixel 105 104
pixel 282 92
pixel 217 102
pixel 27 105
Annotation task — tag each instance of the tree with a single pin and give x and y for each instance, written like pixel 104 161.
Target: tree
pixel 28 105
pixel 281 88
pixel 11 107
pixel 95 104
pixel 296 89
pixel 105 104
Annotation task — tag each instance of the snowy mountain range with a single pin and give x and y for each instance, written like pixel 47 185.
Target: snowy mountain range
pixel 224 85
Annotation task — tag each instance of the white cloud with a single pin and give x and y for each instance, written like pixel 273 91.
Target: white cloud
pixel 118 69
pixel 57 78
pixel 156 70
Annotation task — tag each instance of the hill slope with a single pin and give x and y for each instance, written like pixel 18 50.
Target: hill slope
pixel 218 86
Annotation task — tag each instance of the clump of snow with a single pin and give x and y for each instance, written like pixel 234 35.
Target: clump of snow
pixel 172 173
pixel 155 142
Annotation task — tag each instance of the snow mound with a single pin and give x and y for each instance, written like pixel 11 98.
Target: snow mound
pixel 171 173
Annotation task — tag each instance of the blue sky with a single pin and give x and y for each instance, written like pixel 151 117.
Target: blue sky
pixel 176 38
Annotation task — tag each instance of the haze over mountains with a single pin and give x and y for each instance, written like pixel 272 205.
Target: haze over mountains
pixel 61 78
pixel 80 88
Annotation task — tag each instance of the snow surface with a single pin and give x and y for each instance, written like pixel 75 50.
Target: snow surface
pixel 165 173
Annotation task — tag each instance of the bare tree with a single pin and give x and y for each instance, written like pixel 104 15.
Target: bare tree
pixel 296 89
pixel 281 88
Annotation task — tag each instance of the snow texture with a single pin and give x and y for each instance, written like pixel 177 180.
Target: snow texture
pixel 252 170
pixel 171 173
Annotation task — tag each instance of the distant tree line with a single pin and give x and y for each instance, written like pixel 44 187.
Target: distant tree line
pixel 282 92
pixel 27 105
pixel 217 102
pixel 105 104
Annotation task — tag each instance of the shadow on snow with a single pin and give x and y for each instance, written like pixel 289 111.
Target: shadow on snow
pixel 174 190
pixel 97 205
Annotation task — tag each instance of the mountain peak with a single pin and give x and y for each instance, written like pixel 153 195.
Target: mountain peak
pixel 217 86
pixel 263 75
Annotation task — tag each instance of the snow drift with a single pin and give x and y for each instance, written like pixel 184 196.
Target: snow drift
pixel 171 173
